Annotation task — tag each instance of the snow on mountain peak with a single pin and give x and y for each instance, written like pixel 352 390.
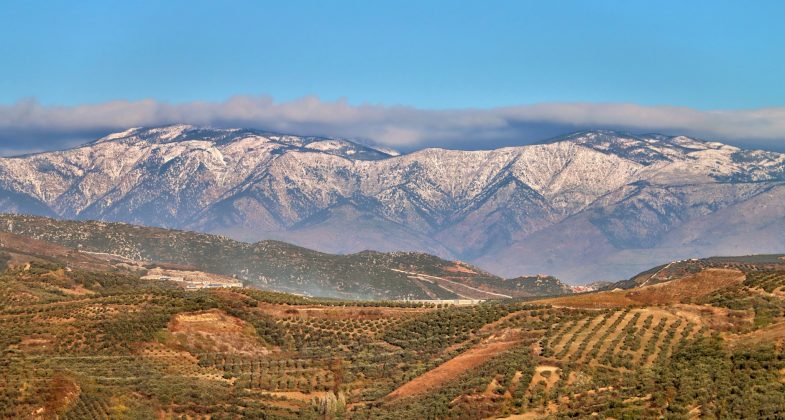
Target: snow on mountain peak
pixel 253 139
pixel 252 184
pixel 170 132
pixel 118 135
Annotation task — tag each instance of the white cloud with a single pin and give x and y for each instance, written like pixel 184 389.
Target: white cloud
pixel 28 125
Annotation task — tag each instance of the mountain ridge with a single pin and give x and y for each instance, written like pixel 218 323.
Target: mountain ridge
pixel 279 266
pixel 638 195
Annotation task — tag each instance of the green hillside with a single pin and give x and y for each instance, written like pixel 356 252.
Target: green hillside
pixel 279 266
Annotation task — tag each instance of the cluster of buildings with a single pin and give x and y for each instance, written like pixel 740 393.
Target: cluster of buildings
pixel 192 280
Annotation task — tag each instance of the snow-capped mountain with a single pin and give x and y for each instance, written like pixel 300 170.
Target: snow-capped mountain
pixel 589 206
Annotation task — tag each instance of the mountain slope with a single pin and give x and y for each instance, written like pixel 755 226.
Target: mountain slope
pixel 82 343
pixel 274 265
pixel 637 200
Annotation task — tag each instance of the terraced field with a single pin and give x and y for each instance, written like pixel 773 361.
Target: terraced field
pixel 81 343
pixel 619 338
pixel 770 281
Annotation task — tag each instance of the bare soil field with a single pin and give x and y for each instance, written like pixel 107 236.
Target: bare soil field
pixel 458 365
pixel 548 374
pixel 774 334
pixel 687 288
pixel 215 331
pixel 721 319
pixel 600 300
pixel 680 290
pixel 338 313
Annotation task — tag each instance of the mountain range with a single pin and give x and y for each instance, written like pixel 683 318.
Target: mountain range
pixel 595 205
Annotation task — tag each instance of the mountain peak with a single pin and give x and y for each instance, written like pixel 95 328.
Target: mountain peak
pixel 176 133
pixel 645 149
pixel 179 132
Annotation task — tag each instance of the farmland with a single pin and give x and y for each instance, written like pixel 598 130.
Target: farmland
pixel 83 338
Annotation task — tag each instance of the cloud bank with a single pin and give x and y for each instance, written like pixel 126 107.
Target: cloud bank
pixel 28 126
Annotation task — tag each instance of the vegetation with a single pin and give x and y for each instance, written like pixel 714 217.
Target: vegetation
pixel 102 343
pixel 284 267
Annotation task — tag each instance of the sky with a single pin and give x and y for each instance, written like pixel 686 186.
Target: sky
pixel 406 74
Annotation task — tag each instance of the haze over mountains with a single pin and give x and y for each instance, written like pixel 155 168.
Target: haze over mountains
pixel 269 265
pixel 590 206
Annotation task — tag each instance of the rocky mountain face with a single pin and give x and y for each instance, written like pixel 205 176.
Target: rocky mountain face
pixel 590 206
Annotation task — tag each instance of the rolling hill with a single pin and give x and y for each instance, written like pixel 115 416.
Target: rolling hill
pixel 274 265
pixel 84 339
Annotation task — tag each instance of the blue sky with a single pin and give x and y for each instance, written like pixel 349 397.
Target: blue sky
pixel 427 55
pixel 437 54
